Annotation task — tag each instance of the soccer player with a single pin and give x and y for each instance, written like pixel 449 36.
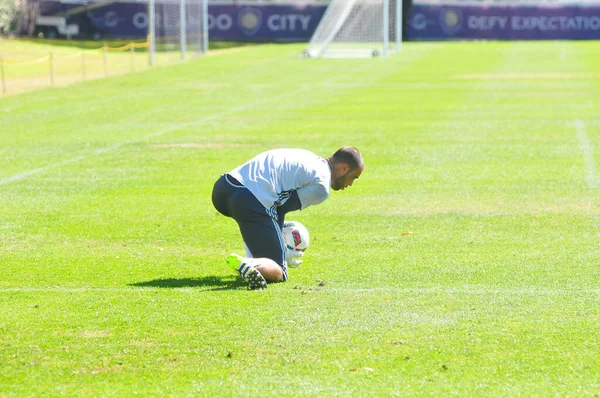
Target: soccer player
pixel 259 193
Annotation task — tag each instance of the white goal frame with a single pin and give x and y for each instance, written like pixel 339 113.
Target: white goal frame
pixel 323 42
pixel 199 44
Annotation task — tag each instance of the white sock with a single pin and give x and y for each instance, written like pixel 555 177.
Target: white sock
pixel 245 267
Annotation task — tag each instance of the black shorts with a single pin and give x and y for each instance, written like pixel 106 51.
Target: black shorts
pixel 261 233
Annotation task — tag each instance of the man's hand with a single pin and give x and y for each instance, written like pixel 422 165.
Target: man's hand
pixel 293 258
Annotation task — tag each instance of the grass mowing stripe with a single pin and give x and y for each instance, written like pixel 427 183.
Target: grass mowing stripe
pixel 591 175
pixel 478 291
pixel 177 126
pixel 464 263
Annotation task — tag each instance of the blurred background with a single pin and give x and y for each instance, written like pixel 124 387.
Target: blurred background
pixel 99 38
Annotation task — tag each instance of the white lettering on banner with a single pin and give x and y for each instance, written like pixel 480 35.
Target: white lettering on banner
pixel 288 22
pixel 110 19
pixel 220 22
pixel 419 22
pixel 545 23
pixel 486 23
pixel 140 20
pixel 224 22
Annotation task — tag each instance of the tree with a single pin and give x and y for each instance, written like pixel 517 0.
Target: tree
pixel 8 15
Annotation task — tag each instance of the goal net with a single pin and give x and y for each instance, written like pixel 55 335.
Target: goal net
pixel 357 29
pixel 177 29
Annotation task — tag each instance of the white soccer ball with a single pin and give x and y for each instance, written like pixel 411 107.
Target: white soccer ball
pixel 295 236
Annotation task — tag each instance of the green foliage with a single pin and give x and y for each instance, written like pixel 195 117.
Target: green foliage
pixel 463 262
pixel 8 14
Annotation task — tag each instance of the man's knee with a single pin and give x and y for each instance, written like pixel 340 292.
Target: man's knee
pixel 271 272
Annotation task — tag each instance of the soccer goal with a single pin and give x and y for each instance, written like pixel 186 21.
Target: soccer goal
pixel 177 28
pixel 357 29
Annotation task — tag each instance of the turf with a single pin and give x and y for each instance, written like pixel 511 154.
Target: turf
pixel 464 261
pixel 32 64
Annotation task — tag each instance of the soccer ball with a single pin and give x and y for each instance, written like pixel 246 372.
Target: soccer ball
pixel 295 236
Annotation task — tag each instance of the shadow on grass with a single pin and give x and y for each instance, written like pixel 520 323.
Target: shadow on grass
pixel 212 283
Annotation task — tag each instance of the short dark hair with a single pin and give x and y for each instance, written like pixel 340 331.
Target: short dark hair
pixel 349 155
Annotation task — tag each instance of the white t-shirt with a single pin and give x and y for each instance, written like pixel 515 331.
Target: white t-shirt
pixel 271 176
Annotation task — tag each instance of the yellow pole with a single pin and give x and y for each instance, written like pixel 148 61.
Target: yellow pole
pixel 3 75
pixel 132 52
pixel 51 59
pixel 83 65
pixel 105 60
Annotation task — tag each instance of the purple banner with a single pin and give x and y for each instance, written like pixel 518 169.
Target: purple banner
pixel 226 21
pixel 277 22
pixel 297 22
pixel 504 22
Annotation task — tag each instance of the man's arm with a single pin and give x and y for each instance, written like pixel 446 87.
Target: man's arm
pixel 312 195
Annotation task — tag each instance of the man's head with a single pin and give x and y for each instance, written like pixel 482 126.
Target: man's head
pixel 346 166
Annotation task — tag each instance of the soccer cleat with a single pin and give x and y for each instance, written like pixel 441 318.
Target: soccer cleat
pixel 255 280
pixel 234 261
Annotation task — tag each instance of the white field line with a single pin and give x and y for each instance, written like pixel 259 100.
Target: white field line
pixel 591 175
pixel 23 175
pixel 382 290
pixel 563 52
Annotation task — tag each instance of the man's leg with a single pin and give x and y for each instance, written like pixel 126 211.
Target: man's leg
pixel 261 239
pixel 267 267
pixel 262 236
pixel 267 253
pixel 248 271
pixel 258 271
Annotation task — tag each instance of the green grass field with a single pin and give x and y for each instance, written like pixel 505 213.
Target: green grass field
pixel 464 261
pixel 29 65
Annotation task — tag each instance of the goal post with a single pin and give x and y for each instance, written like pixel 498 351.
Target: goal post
pixel 177 28
pixel 357 29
